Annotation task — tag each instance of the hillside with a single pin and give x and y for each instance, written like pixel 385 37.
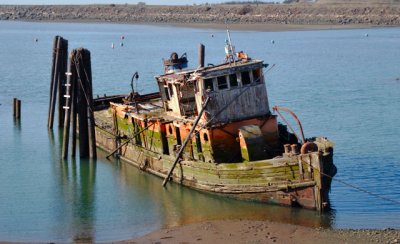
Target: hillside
pixel 295 14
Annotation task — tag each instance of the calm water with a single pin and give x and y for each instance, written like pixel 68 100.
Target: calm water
pixel 341 83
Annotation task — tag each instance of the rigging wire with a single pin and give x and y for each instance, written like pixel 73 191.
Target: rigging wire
pixel 358 188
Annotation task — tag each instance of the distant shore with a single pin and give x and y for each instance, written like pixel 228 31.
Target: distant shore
pixel 246 231
pixel 263 17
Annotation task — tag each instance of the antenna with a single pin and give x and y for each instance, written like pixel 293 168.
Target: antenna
pixel 230 53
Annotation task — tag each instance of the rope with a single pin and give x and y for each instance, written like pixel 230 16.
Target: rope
pixel 358 188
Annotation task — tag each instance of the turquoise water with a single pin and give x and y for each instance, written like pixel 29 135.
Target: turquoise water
pixel 341 83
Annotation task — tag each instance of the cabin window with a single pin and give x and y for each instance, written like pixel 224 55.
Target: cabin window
pixel 171 90
pixel 166 93
pixel 208 84
pixel 198 142
pixel 246 78
pixel 233 80
pixel 178 136
pixel 170 130
pixel 205 137
pixel 257 75
pixel 222 83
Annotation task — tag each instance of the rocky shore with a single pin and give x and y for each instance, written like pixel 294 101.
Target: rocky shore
pixel 282 14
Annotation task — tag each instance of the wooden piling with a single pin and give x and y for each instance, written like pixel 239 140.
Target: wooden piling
pixel 53 65
pixel 58 80
pixel 70 85
pixel 73 111
pixel 14 106
pixel 18 109
pixel 91 122
pixel 82 107
pixel 54 86
pixel 62 80
pixel 201 55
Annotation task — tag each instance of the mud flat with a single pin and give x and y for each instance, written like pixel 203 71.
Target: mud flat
pixel 263 16
pixel 245 231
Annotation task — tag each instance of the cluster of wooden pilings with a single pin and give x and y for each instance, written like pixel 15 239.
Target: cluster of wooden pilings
pixel 79 106
pixel 75 98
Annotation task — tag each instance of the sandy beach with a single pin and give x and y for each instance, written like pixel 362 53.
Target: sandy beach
pixel 246 231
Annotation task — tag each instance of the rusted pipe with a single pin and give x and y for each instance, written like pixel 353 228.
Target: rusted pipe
pixel 276 109
pixel 287 148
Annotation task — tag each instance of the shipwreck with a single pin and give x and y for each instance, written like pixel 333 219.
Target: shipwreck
pixel 212 129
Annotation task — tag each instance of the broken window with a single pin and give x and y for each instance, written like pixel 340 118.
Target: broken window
pixel 171 90
pixel 205 137
pixel 246 78
pixel 208 84
pixel 233 80
pixel 257 75
pixel 222 83
pixel 166 93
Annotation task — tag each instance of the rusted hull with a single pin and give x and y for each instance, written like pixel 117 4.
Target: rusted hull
pixel 278 181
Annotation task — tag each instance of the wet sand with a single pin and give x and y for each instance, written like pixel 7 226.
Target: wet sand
pixel 246 231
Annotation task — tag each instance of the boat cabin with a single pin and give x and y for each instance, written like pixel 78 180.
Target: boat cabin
pixel 237 92
pixel 237 123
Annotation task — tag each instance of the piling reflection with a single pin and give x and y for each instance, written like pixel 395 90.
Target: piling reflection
pixel 17 123
pixel 84 212
pixel 77 180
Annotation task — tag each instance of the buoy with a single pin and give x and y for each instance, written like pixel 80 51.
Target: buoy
pixel 122 37
pixel 36 39
pixel 112 45
pixel 121 44
pixel 272 41
pixel 366 35
pixel 212 35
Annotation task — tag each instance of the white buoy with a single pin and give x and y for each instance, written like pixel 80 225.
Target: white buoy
pixel 112 45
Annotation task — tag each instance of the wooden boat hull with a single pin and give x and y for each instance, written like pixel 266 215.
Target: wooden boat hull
pixel 290 180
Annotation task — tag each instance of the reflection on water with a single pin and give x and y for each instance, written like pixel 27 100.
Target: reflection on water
pixel 83 200
pixel 181 205
pixel 175 205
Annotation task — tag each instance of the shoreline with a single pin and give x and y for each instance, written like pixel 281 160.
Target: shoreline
pixel 249 231
pixel 269 27
pixel 216 26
